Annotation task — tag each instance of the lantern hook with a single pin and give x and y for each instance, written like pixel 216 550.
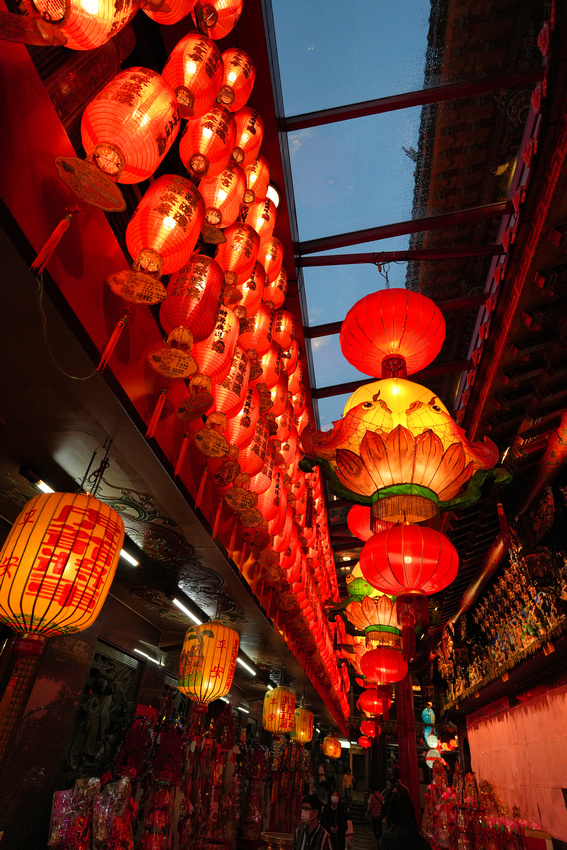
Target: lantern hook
pixel 95 478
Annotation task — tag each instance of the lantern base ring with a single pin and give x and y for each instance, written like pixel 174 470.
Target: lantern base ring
pixel 404 503
pixel 90 184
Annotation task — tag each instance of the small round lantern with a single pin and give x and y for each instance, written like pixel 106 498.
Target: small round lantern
pixel 239 74
pixel 58 563
pixel 279 711
pixel 385 663
pixel 364 741
pixel 194 72
pixel 369 728
pixel 207 663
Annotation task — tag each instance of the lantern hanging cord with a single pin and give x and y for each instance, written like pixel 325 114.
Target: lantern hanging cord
pixel 95 478
pixel 43 318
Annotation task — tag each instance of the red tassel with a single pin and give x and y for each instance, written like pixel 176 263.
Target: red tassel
pixel 181 456
pixel 232 540
pixel 44 255
pixel 111 344
pixel 157 412
pixel 217 520
pixel 242 558
pixel 201 487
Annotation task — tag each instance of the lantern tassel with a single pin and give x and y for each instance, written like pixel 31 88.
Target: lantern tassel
pixel 111 344
pixel 408 641
pixel 217 520
pixel 242 559
pixel 46 252
pixel 232 540
pixel 181 455
pixel 201 487
pixel 157 412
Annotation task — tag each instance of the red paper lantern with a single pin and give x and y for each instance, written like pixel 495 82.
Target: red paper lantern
pixel 271 366
pixel 263 479
pixel 290 356
pixel 229 393
pixel 256 336
pixel 207 142
pixel 275 293
pixel 390 325
pixel 288 448
pixel 369 728
pixel 237 255
pixel 130 125
pixel 176 11
pixel 241 428
pixel 261 216
pixel 165 226
pixel 257 180
pixel 223 195
pixel 58 563
pixel 284 329
pixel 85 26
pixel 278 395
pixel 365 742
pixel 269 502
pixel 358 521
pixel 193 300
pixel 296 379
pixel 249 135
pixel 271 256
pixel 216 18
pixel 252 457
pixel 194 72
pixel 250 291
pixel 384 664
pixel 376 700
pixel 239 74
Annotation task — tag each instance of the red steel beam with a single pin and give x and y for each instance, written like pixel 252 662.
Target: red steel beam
pixel 436 94
pixel 402 228
pixel 424 375
pixel 379 257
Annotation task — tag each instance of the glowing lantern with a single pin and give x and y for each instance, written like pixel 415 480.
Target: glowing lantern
pixel 271 256
pixel 432 740
pixel 238 79
pixel 365 742
pixel 284 328
pixel 223 195
pixel 256 338
pixel 279 711
pixel 241 427
pixel 207 142
pixel 392 332
pixel 250 292
pixel 85 25
pixel 237 255
pixel 229 393
pixel 428 715
pixel 57 565
pixel 331 747
pixel 290 356
pixel 384 663
pixel 208 659
pixel 193 300
pixel 376 700
pixel 409 562
pixel 249 135
pixel 257 180
pixel 194 72
pixel 432 756
pixel 275 293
pixel 263 479
pixel 261 215
pixel 278 396
pixel 369 728
pixel 303 729
pixel 176 11
pixel 295 379
pixel 216 18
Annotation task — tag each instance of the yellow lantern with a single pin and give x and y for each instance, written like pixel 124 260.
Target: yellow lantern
pixel 303 728
pixel 57 565
pixel 279 711
pixel 207 663
pixel 331 747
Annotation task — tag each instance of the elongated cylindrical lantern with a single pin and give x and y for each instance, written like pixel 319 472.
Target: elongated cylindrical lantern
pixel 57 565
pixel 252 457
pixel 207 142
pixel 271 367
pixel 251 292
pixel 261 215
pixel 241 427
pixel 257 180
pixel 271 256
pixel 207 663
pixel 290 357
pixel 249 135
pixel 237 255
pixel 216 18
pixel 85 25
pixel 238 79
pixel 223 195
pixel 331 747
pixel 229 393
pixel 284 328
pixel 279 711
pixel 193 300
pixel 303 728
pixel 130 125
pixel 194 71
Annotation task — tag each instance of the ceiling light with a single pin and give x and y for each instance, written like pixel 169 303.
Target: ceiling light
pixel 127 557
pixel 274 195
pixel 45 488
pixel 246 667
pixel 243 710
pixel 187 612
pixel 224 699
pixel 344 743
pixel 270 687
pixel 149 657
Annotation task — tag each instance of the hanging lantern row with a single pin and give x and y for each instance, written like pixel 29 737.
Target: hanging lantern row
pixel 208 661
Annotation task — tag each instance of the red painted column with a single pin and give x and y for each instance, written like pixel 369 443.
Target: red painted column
pixel 407 746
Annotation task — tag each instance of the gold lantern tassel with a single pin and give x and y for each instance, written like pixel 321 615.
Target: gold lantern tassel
pixel 157 411
pixel 181 455
pixel 201 487
pixel 111 344
pixel 46 252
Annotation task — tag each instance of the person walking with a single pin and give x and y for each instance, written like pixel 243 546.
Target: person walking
pixel 347 787
pixel 334 820
pixel 374 811
pixel 402 831
pixel 310 835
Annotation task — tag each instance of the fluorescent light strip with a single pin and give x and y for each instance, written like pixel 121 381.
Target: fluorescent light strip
pixel 224 699
pixel 149 657
pixel 270 687
pixel 127 557
pixel 188 613
pixel 45 488
pixel 246 667
pixel 243 710
pixel 344 743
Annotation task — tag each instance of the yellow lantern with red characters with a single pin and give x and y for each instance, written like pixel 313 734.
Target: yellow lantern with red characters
pixel 207 663
pixel 57 565
pixel 303 729
pixel 279 711
pixel 331 747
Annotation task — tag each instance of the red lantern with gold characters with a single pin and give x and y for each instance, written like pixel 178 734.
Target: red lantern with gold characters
pixel 257 180
pixel 249 135
pixel 216 18
pixel 223 195
pixel 331 747
pixel 85 26
pixel 207 142
pixel 194 72
pixel 239 74
pixel 207 663
pixel 279 711
pixel 57 565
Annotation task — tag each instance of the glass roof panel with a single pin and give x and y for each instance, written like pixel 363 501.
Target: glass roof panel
pixel 330 366
pixel 379 49
pixel 331 409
